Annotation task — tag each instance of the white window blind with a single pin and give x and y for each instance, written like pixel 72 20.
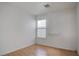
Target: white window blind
pixel 41 24
pixel 41 28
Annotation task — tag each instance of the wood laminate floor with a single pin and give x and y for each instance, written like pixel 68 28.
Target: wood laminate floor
pixel 40 50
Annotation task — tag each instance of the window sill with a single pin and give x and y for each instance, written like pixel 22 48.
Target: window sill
pixel 41 37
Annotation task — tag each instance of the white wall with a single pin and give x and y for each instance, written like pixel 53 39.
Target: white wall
pixel 61 29
pixel 78 27
pixel 16 29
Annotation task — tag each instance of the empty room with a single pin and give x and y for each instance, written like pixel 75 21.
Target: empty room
pixel 39 28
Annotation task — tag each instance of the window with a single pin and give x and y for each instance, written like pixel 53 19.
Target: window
pixel 41 28
pixel 41 24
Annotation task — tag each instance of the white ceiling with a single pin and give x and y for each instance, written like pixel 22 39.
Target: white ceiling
pixel 36 8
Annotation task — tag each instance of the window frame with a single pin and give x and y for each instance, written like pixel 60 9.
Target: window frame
pixel 39 28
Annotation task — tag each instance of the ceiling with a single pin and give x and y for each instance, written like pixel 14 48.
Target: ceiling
pixel 36 8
